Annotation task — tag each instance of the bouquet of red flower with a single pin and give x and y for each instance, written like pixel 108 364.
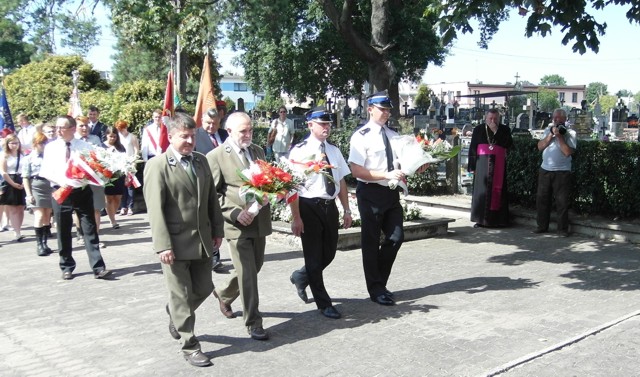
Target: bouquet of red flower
pixel 313 164
pixel 96 167
pixel 267 183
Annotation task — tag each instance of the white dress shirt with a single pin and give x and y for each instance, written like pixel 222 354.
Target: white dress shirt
pixel 54 161
pixel 314 186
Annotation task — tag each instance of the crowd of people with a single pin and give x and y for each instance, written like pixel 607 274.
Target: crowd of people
pixel 192 194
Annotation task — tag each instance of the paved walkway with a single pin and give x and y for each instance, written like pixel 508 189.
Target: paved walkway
pixel 475 303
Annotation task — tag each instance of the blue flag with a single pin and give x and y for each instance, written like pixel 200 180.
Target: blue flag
pixel 6 121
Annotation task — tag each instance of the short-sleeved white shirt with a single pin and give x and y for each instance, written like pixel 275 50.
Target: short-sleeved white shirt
pixel 367 149
pixel 310 149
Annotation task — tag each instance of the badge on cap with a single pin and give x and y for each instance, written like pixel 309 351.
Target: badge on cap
pixel 319 114
pixel 380 99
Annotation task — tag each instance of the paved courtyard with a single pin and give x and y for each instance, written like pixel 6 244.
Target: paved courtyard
pixel 477 302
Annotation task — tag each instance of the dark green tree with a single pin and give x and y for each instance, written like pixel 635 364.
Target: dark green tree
pixel 553 80
pixel 156 26
pixel 306 48
pixel 42 89
pixel 624 93
pixel 422 100
pixel 596 90
pixel 14 52
pixel 572 18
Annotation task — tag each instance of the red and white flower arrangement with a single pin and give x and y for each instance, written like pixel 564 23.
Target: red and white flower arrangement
pixel 268 183
pixel 96 167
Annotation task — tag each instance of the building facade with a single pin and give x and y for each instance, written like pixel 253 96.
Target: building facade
pixel 237 88
pixel 569 95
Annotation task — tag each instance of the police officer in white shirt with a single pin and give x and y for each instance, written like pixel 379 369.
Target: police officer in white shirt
pixel 371 160
pixel 315 214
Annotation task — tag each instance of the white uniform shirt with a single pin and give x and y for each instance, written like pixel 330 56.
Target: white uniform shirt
pixel 54 161
pixel 310 149
pixel 367 149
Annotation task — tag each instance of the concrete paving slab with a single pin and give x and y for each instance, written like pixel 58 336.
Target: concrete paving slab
pixel 469 304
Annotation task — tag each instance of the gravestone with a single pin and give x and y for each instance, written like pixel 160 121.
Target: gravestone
pixel 420 122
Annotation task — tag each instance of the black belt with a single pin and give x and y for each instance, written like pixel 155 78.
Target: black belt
pixel 318 201
pixel 373 185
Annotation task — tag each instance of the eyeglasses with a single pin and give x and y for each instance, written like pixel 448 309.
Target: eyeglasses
pixel 283 112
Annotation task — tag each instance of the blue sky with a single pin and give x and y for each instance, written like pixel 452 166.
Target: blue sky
pixel 510 53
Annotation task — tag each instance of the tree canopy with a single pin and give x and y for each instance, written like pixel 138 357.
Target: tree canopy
pixel 596 90
pixel 42 89
pixel 553 80
pixel 572 18
pixel 310 48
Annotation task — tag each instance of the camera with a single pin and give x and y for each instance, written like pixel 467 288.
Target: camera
pixel 562 129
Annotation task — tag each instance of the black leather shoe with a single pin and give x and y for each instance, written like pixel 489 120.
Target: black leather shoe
pixel 388 293
pixel 67 275
pixel 331 312
pixel 258 333
pixel 198 359
pixel 564 233
pixel 538 231
pixel 104 274
pixel 383 300
pixel 172 328
pixel 300 287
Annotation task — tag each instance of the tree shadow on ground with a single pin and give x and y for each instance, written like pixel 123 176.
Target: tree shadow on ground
pixel 298 327
pixel 595 264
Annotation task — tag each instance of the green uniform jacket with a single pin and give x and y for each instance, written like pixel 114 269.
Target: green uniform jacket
pixel 183 217
pixel 225 163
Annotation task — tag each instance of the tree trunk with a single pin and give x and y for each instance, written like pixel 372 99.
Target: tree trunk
pixel 382 73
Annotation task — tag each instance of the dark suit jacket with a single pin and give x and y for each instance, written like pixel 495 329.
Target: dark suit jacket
pixel 204 144
pixel 183 217
pixel 99 130
pixel 225 163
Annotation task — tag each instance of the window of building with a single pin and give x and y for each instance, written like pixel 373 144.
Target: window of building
pixel 240 87
pixel 574 97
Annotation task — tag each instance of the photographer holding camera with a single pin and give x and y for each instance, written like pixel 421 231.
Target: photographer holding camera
pixel 554 177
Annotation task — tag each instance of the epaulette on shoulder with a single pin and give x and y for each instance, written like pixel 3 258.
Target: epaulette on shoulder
pixel 301 144
pixel 364 130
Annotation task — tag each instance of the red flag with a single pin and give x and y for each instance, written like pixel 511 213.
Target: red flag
pixel 206 98
pixel 167 112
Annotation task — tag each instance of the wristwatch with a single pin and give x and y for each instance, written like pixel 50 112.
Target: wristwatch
pixel 347 211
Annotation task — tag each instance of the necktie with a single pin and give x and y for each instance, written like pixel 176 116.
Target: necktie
pixel 189 168
pixel 214 140
pixel 244 153
pixel 329 185
pixel 68 156
pixel 388 150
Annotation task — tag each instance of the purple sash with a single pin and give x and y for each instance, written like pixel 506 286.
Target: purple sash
pixel 498 172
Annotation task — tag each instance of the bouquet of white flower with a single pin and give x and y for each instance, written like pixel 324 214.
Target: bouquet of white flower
pixel 413 152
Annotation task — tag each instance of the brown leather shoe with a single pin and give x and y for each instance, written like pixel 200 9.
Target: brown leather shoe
pixel 225 309
pixel 172 328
